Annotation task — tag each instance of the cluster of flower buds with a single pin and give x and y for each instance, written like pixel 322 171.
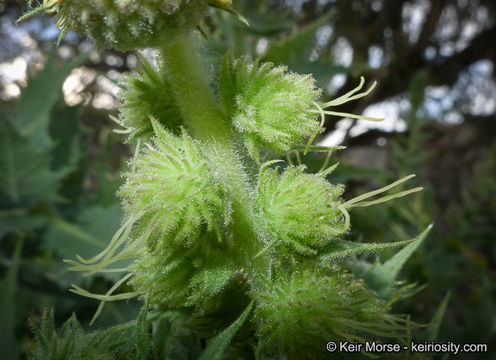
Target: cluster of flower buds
pixel 198 213
pixel 125 24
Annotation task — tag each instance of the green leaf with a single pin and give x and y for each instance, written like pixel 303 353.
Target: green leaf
pixel 417 87
pixel 19 221
pixel 433 329
pixel 297 46
pixel 8 288
pixel 71 342
pixel 267 23
pixel 343 248
pixel 295 50
pixel 65 131
pixel 382 277
pixel 210 281
pixel 227 81
pixel 393 266
pixel 142 338
pixel 218 345
pixel 25 173
pixel 323 70
pixel 173 340
pixel 39 97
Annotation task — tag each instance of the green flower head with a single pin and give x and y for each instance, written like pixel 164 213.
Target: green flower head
pixel 178 240
pixel 268 105
pixel 125 24
pixel 146 93
pixel 299 313
pixel 173 276
pixel 299 210
pixel 171 187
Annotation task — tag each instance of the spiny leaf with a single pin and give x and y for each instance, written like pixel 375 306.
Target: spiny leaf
pixel 219 344
pixel 25 171
pixel 296 46
pixel 147 95
pixel 38 98
pixel 393 266
pixel 382 277
pixel 299 311
pixel 300 210
pixel 71 342
pixel 142 336
pixel 172 182
pixel 124 25
pixel 343 248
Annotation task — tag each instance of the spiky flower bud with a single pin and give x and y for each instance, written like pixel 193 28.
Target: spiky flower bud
pixel 147 93
pixel 299 313
pixel 175 276
pixel 127 24
pixel 180 255
pixel 171 186
pixel 270 106
pixel 299 210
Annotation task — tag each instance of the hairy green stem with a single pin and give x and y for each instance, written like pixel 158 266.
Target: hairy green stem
pixel 207 122
pixel 203 115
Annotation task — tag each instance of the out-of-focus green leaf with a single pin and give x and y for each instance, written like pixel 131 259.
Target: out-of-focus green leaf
pixel 346 172
pixel 297 46
pixel 72 342
pixel 295 50
pixel 433 329
pixel 323 71
pixel 173 340
pixel 39 97
pixel 217 346
pixel 8 286
pixel 417 87
pixel 19 221
pixel 25 171
pixel 267 24
pixel 65 131
pixel 93 230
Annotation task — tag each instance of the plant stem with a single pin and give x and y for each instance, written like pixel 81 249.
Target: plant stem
pixel 207 122
pixel 203 115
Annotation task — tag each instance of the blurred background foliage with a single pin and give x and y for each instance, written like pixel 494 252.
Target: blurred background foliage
pixel 434 62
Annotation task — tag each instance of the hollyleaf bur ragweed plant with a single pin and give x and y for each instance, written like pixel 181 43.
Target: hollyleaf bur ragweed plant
pixel 202 227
